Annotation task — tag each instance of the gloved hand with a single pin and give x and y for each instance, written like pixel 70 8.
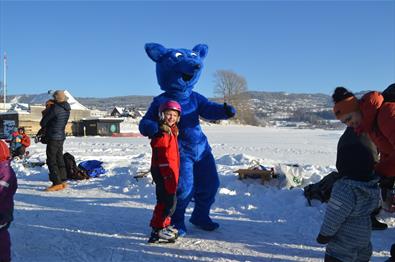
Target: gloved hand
pixel 323 239
pixel 165 128
pixel 230 111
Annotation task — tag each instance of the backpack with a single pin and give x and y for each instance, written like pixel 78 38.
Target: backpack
pixel 93 168
pixel 73 172
pixel 322 189
pixel 389 93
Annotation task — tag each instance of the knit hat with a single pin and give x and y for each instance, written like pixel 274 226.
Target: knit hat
pixel 346 106
pixel 345 102
pixel 356 162
pixel 4 151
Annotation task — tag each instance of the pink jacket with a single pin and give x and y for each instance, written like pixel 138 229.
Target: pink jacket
pixel 8 186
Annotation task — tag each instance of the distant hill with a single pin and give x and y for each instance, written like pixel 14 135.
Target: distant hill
pixel 108 103
pixel 105 104
pixel 270 108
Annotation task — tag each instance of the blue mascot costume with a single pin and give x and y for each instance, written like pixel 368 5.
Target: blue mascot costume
pixel 177 71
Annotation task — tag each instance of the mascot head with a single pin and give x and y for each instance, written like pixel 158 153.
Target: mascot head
pixel 177 70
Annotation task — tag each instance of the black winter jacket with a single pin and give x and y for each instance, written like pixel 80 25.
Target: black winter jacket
pixel 55 120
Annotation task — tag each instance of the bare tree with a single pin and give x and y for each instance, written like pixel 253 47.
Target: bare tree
pixel 232 88
pixel 229 85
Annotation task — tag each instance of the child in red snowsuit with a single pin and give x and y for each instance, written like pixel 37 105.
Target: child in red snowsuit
pixel 8 186
pixel 165 165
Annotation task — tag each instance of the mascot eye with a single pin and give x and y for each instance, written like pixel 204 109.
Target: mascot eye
pixel 178 54
pixel 193 54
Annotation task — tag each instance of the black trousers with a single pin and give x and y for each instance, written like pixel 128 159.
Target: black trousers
pixel 55 162
pixel 169 201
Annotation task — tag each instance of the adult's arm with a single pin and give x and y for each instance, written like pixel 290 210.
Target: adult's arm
pixel 386 121
pixel 48 117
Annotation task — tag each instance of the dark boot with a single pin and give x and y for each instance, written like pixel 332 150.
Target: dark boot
pixel 377 225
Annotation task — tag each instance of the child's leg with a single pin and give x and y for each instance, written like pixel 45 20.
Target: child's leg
pixel 165 203
pixel 339 251
pixel 5 245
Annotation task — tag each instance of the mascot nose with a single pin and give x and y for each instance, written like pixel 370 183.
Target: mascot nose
pixel 197 66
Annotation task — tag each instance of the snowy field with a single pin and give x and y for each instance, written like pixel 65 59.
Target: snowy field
pixel 107 218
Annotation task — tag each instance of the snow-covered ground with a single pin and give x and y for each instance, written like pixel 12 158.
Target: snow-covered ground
pixel 106 219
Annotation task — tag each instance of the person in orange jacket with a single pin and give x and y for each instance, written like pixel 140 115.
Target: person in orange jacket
pixel 19 142
pixel 373 116
pixel 165 166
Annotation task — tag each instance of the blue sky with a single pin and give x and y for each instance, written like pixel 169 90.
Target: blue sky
pixel 96 48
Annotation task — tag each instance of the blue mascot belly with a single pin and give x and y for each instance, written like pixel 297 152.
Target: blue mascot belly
pixel 177 71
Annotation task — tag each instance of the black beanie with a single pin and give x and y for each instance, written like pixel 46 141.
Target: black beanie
pixel 356 162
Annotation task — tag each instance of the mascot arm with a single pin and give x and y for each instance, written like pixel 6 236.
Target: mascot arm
pixel 148 125
pixel 214 111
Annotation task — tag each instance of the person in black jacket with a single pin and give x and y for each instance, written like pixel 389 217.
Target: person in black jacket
pixel 54 123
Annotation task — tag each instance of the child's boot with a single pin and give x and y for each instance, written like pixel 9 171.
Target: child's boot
pixel 173 230
pixel 161 235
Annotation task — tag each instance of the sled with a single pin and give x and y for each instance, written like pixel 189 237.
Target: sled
pixel 255 173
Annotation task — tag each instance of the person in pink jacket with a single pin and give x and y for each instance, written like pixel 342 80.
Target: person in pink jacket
pixel 8 186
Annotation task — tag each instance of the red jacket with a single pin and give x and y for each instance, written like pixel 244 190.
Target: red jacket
pixel 378 121
pixel 166 157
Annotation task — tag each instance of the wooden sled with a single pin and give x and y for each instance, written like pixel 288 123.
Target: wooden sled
pixel 264 175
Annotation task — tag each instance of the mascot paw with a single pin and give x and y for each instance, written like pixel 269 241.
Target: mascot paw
pixel 230 111
pixel 182 231
pixel 207 226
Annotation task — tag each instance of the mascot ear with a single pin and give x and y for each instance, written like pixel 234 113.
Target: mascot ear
pixel 202 49
pixel 154 51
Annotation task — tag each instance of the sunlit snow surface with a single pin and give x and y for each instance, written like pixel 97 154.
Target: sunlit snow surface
pixel 107 218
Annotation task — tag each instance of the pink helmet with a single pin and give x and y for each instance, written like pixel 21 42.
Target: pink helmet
pixel 171 104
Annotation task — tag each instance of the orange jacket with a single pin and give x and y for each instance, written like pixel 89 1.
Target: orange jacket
pixel 25 141
pixel 378 121
pixel 166 157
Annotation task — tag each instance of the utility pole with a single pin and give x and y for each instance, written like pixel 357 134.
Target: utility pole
pixel 5 81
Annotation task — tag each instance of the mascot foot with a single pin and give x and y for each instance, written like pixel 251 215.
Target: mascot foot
pixel 208 225
pixel 182 231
